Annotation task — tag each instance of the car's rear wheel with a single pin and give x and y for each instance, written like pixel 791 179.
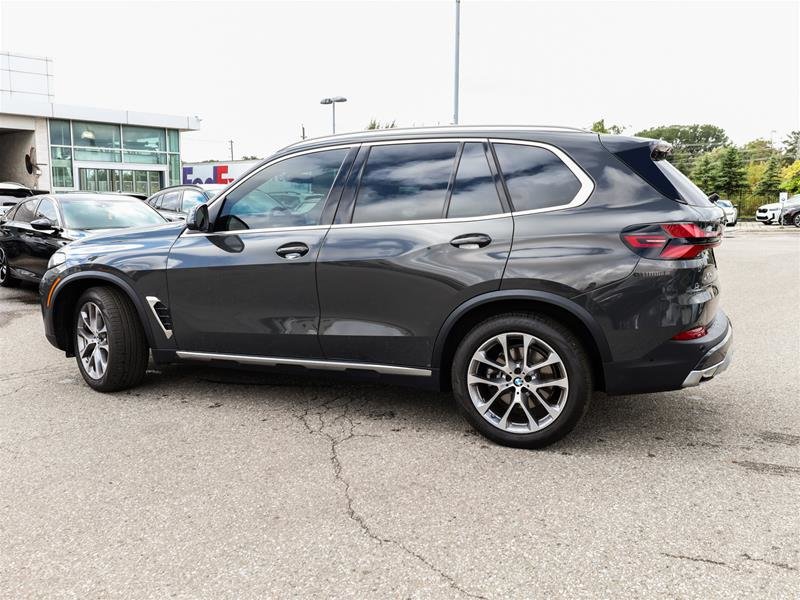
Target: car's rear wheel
pixel 522 380
pixel 110 346
pixel 6 280
pixel 796 220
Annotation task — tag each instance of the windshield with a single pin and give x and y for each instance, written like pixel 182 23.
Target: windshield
pixel 108 214
pixel 690 193
pixel 726 203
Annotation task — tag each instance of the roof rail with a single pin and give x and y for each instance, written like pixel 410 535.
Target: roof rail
pixel 434 129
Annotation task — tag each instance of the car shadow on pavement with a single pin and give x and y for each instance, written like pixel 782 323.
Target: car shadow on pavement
pixel 612 423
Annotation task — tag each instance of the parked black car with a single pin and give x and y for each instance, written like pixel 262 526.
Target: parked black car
pixel 791 214
pixel 11 193
pixel 521 267
pixel 36 228
pixel 175 202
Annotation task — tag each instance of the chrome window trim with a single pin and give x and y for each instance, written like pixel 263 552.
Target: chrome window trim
pixel 587 184
pixel 224 194
pixel 420 222
pixel 300 228
pixel 328 365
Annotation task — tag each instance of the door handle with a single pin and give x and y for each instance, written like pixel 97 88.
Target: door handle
pixel 292 250
pixel 471 241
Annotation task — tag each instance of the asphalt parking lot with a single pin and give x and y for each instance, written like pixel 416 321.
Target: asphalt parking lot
pixel 207 484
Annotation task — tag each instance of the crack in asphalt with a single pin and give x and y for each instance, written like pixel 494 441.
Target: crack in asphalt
pixel 696 559
pixel 786 566
pixel 321 428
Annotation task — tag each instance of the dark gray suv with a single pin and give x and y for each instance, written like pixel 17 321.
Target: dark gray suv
pixel 521 267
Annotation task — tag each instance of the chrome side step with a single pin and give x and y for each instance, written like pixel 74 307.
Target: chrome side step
pixel 327 365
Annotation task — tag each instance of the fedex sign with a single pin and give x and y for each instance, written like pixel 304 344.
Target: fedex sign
pixel 223 173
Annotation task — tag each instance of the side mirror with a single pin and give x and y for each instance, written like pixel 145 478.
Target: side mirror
pixel 714 197
pixel 43 224
pixel 197 219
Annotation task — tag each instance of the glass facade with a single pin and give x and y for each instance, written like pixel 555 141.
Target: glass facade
pixel 119 180
pixel 82 141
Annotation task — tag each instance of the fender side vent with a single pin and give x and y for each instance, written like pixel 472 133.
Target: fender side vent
pixel 162 315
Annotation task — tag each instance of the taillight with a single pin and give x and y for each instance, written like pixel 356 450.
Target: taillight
pixel 672 241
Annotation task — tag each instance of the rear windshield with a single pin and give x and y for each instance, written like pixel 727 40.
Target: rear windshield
pixel 690 193
pixel 108 214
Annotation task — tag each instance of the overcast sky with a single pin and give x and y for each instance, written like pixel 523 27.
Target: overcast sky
pixel 255 71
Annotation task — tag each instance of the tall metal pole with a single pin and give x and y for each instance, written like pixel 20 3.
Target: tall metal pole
pixel 455 82
pixel 333 106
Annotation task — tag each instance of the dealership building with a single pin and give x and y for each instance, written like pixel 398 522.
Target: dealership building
pixel 50 146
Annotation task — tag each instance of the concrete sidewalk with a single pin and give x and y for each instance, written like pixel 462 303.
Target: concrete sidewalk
pixel 758 227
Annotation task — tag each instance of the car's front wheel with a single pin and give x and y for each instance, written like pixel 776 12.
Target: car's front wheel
pixel 522 380
pixel 796 220
pixel 6 280
pixel 110 346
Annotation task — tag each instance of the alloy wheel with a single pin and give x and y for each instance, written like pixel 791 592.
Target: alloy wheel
pixel 3 266
pixel 517 382
pixel 92 338
pixel 797 220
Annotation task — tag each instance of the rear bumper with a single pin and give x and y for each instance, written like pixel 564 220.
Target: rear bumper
pixel 714 362
pixel 674 364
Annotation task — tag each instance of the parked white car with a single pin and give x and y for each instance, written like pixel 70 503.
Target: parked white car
pixel 768 213
pixel 731 212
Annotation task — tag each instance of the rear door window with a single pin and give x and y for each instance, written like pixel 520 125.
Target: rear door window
pixel 405 182
pixel 474 193
pixel 535 177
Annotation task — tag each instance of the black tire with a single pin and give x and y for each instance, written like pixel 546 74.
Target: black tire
pixel 559 338
pixel 128 352
pixel 796 220
pixel 6 280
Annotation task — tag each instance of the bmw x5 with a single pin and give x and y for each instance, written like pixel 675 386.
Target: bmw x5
pixel 521 267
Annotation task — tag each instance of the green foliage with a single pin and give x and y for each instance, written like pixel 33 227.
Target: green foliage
pixel 753 173
pixel 704 173
pixel 375 124
pixel 694 140
pixel 770 183
pixel 790 180
pixel 791 148
pixel 730 176
pixel 600 127
pixel 250 158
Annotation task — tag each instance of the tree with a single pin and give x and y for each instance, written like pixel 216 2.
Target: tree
pixel 693 139
pixel 790 180
pixel 600 127
pixel 688 141
pixel 704 173
pixel 791 147
pixel 770 183
pixel 375 124
pixel 730 172
pixel 250 158
pixel 753 173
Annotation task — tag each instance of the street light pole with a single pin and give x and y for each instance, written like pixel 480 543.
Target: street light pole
pixel 332 102
pixel 455 69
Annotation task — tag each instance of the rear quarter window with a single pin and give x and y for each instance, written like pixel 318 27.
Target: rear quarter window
pixel 535 177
